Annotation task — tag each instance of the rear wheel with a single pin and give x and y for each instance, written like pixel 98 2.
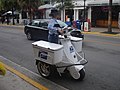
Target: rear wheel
pixel 29 36
pixel 45 69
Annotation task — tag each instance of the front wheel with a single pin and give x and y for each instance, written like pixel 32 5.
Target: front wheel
pixel 81 77
pixel 45 69
pixel 29 36
pixel 82 74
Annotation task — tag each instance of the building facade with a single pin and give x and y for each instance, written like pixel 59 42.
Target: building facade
pixel 97 11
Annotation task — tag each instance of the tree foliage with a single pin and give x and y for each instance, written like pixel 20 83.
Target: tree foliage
pixel 19 4
pixel 27 4
pixel 8 4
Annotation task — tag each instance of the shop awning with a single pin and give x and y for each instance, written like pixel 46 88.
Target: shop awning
pixel 78 7
pixel 46 6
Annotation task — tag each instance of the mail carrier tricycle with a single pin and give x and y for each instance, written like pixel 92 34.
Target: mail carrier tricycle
pixel 66 56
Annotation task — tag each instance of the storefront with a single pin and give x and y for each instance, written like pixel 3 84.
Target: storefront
pixel 99 13
pixel 79 9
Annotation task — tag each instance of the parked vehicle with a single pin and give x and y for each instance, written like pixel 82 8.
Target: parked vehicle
pixel 37 29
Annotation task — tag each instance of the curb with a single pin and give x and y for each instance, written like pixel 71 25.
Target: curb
pixel 30 77
pixel 10 25
pixel 102 34
pixel 24 77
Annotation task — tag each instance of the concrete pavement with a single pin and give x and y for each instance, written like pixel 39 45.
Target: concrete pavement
pixel 20 78
pixel 12 82
pixel 10 25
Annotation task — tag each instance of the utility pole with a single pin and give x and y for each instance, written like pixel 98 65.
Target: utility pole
pixel 110 17
pixel 62 10
pixel 84 15
pixel 13 15
pixel 84 9
pixel 30 12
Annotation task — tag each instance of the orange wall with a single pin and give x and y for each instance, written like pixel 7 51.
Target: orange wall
pixel 104 23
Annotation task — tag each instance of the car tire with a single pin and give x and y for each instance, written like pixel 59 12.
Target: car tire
pixel 29 36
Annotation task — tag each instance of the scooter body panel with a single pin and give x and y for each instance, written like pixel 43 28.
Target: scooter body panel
pixel 69 51
pixel 71 58
pixel 75 71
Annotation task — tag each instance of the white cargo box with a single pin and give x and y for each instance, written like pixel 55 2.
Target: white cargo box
pixel 77 43
pixel 47 52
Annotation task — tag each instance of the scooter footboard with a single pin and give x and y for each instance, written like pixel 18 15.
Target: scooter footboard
pixel 63 66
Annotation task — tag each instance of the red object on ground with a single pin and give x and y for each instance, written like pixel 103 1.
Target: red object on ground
pixel 74 24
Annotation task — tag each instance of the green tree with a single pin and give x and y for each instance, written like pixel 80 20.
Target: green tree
pixel 11 5
pixel 29 6
pixel 8 4
pixel 1 5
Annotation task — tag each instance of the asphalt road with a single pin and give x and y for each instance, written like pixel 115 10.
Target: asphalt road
pixel 102 53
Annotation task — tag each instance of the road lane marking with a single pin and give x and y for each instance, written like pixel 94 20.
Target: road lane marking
pixel 24 77
pixel 103 42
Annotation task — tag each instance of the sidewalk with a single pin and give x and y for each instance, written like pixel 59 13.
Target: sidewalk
pixel 12 82
pixel 16 25
pixel 20 78
pixel 93 29
pixel 103 32
pixel 99 29
pixel 15 80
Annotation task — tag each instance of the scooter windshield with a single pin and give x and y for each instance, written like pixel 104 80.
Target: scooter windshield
pixel 62 24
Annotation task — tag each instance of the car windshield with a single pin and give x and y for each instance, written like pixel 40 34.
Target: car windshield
pixel 45 23
pixel 62 24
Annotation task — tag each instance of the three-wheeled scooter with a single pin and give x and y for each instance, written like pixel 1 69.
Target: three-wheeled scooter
pixel 66 56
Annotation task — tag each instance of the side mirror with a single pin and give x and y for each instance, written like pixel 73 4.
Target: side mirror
pixel 56 25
